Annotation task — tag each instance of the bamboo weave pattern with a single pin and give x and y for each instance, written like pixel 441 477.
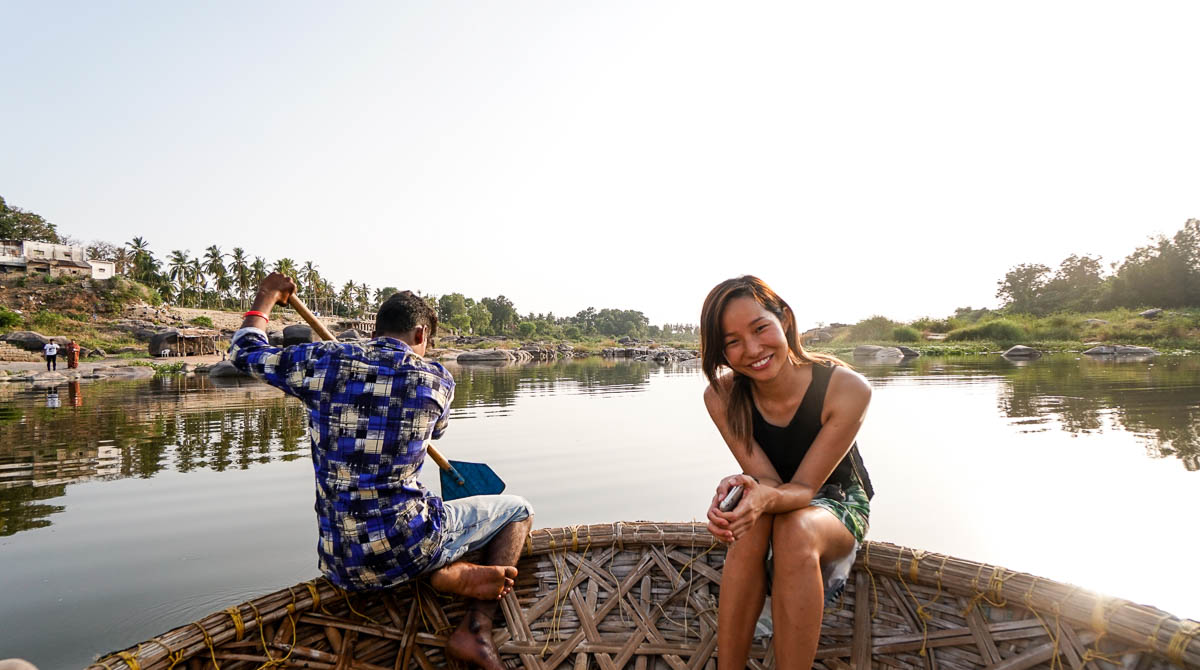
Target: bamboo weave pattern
pixel 643 596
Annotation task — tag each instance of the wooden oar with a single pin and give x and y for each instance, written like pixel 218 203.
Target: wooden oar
pixel 459 478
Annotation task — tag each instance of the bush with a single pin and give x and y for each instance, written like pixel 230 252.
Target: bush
pixel 1000 330
pixel 202 321
pixel 874 328
pixel 936 325
pixel 906 334
pixel 9 319
pixel 44 320
pixel 525 328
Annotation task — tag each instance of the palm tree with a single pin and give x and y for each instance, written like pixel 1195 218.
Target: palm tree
pixel 329 294
pixel 177 270
pixel 198 282
pixel 258 270
pixel 286 267
pixel 311 281
pixel 364 295
pixel 241 274
pixel 144 265
pixel 214 265
pixel 347 297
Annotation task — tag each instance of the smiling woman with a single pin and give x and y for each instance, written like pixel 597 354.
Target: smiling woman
pixel 789 418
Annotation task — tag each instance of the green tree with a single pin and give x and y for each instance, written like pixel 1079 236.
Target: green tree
pixel 18 224
pixel 1022 286
pixel 525 328
pixel 1076 286
pixel 258 270
pixel 242 276
pixel 481 319
pixel 504 313
pixel 214 265
pixel 1165 273
pixel 286 267
pixel 178 270
pixel 450 306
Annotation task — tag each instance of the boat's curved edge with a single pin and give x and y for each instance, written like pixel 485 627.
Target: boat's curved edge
pixel 1162 633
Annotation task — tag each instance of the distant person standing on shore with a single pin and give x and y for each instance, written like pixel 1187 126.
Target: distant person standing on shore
pixel 51 351
pixel 73 355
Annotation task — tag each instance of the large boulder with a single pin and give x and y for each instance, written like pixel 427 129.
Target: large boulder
pixel 297 334
pixel 871 351
pixel 1022 351
pixel 908 353
pixel 143 334
pixel 487 356
pixel 1151 313
pixel 348 335
pixel 164 341
pixel 26 339
pixel 275 338
pixel 225 369
pixel 1120 350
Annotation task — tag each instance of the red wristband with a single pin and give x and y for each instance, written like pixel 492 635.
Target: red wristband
pixel 255 312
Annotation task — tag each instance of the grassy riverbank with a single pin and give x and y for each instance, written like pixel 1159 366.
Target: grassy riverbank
pixel 983 331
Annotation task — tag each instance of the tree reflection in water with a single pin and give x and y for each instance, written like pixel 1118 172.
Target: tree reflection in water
pixel 112 430
pixel 1157 400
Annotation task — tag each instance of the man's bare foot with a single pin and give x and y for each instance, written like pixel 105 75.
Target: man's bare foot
pixel 472 642
pixel 481 582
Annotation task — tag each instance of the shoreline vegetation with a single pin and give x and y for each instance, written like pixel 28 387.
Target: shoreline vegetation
pixel 1152 299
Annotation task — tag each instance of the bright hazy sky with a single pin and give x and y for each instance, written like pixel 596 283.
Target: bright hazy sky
pixel 863 158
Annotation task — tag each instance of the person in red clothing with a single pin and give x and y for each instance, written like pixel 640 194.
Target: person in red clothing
pixel 73 354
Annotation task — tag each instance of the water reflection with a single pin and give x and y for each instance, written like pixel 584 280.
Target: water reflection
pixel 113 430
pixel 1157 400
pixel 491 386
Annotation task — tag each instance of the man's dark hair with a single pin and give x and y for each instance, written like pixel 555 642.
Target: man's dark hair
pixel 402 312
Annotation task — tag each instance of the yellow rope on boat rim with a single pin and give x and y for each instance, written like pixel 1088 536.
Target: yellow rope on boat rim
pixel 130 659
pixel 238 624
pixel 173 656
pixel 1180 640
pixel 209 643
pixel 874 590
pixel 274 662
pixel 923 613
pixel 316 597
pixel 346 596
pixel 559 606
pixel 1056 635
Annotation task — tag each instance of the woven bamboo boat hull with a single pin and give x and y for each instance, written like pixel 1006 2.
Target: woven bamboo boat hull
pixel 643 596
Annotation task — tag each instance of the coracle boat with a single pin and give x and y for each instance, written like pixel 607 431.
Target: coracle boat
pixel 644 596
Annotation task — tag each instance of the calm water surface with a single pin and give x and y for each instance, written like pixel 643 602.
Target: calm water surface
pixel 134 507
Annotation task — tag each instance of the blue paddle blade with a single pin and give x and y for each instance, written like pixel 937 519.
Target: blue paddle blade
pixel 469 479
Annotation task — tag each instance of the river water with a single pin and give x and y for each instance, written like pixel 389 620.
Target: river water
pixel 128 508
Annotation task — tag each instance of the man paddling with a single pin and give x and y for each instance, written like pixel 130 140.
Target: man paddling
pixel 371 409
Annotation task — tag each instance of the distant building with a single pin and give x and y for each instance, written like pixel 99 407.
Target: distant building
pixel 55 260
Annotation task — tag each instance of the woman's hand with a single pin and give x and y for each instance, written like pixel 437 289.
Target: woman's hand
pixel 732 525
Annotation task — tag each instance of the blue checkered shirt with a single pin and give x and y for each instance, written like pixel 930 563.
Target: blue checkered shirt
pixel 371 407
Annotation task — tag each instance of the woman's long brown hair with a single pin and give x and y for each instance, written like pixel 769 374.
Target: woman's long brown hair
pixel 712 346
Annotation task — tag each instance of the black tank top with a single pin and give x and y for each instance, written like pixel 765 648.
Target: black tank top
pixel 786 445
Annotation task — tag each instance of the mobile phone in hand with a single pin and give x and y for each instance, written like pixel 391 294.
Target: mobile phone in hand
pixel 731 499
